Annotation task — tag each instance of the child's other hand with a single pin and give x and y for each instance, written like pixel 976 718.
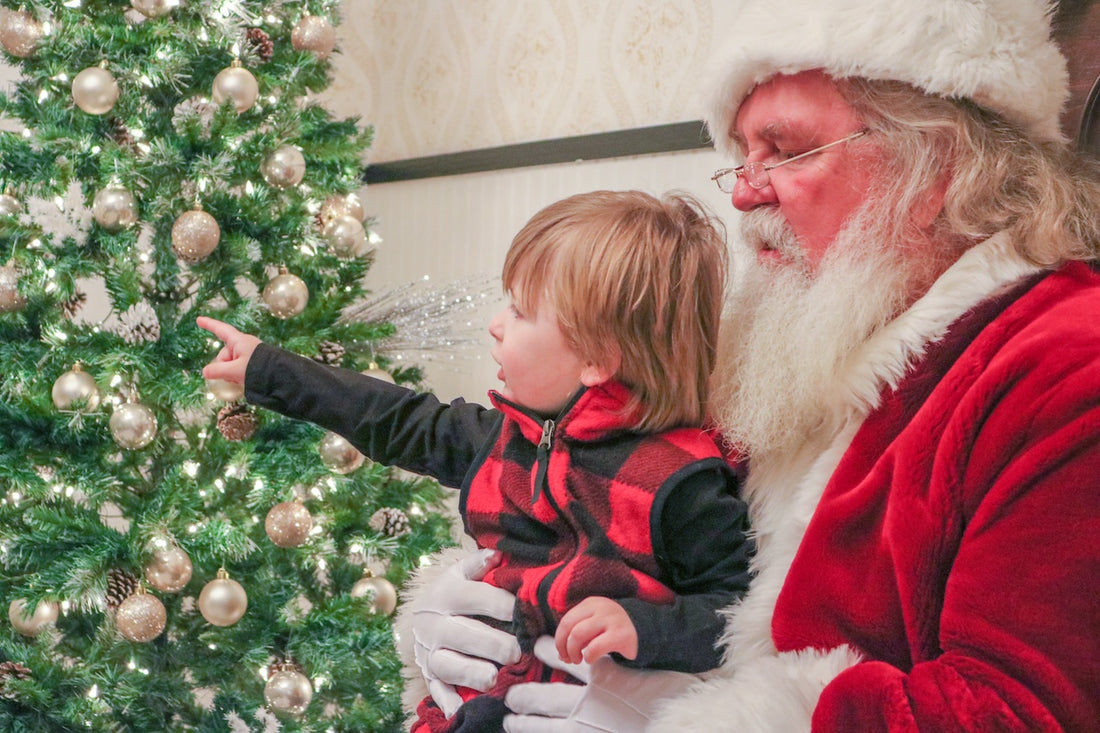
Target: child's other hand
pixel 232 361
pixel 594 627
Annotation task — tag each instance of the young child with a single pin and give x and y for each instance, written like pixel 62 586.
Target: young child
pixel 619 522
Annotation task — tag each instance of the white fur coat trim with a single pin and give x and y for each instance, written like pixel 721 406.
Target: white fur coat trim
pixel 997 53
pixel 758 689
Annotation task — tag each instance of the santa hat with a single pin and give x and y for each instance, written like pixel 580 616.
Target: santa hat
pixel 996 53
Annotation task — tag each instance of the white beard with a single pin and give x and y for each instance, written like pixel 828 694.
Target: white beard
pixel 788 331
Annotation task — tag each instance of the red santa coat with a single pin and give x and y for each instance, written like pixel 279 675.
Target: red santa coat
pixel 934 565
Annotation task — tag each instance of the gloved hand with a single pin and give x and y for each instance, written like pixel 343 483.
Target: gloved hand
pixel 451 649
pixel 615 699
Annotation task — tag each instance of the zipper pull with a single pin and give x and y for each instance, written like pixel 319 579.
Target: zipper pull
pixel 542 458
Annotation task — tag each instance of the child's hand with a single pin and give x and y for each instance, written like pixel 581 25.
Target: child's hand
pixel 232 361
pixel 594 627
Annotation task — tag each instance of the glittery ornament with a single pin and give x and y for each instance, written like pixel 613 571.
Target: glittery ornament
pixel 195 234
pixel 286 295
pixel 373 370
pixel 288 524
pixel 121 584
pixel 19 32
pixel 133 425
pixel 378 593
pixel 10 298
pixel 260 43
pixel 342 205
pixel 95 90
pixel 141 617
pixel 313 33
pixel 114 209
pixel 9 205
pixel 237 86
pixel 225 390
pixel 12 671
pixel 236 422
pixel 339 455
pixel 75 390
pixel 287 690
pixel 223 601
pixel 330 352
pixel 169 570
pixel 284 167
pixel 154 8
pixel 390 521
pixel 45 614
pixel 346 237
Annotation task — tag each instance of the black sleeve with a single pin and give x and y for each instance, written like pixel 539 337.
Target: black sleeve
pixel 703 548
pixel 390 424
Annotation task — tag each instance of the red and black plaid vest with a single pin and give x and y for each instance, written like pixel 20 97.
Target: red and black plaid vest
pixel 573 517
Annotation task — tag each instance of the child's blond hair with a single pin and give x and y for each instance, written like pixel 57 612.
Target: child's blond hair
pixel 634 277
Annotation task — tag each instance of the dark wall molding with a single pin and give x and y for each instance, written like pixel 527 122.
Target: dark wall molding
pixel 637 141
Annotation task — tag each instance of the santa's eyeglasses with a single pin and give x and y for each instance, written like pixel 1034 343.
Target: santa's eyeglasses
pixel 756 173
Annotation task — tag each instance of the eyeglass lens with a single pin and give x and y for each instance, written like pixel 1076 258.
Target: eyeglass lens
pixel 756 175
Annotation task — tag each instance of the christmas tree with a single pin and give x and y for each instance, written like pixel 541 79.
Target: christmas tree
pixel 171 558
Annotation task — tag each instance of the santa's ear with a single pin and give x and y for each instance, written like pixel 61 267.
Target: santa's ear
pixel 930 204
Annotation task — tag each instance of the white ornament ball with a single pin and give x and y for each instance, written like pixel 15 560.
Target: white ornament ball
pixel 45 614
pixel 340 455
pixel 114 209
pixel 95 90
pixel 378 593
pixel 346 237
pixel 284 167
pixel 154 8
pixel 288 691
pixel 9 205
pixel 141 617
pixel 224 390
pixel 338 205
pixel 313 33
pixel 10 298
pixel 195 234
pixel 288 524
pixel 75 390
pixel 19 32
pixel 133 425
pixel 169 570
pixel 223 601
pixel 286 295
pixel 237 86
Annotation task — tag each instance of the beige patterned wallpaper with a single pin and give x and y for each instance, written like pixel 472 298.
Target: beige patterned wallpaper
pixel 442 76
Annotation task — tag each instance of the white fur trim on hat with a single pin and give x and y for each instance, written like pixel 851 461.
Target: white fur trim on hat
pixel 997 53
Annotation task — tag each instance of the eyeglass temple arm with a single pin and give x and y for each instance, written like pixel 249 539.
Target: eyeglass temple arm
pixel 815 151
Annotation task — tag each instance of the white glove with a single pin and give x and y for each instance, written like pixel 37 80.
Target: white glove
pixel 443 636
pixel 615 699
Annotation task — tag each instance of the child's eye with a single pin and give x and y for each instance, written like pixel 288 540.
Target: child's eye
pixel 515 311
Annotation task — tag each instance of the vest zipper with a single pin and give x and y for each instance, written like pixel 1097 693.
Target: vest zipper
pixel 542 459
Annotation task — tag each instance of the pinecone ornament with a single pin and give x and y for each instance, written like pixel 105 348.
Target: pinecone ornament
pixel 71 306
pixel 121 584
pixel 236 422
pixel 330 352
pixel 11 671
pixel 261 43
pixel 195 109
pixel 120 134
pixel 139 323
pixel 390 522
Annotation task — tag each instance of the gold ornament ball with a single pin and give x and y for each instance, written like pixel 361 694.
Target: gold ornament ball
pixel 9 205
pixel 195 234
pixel 45 614
pixel 313 33
pixel 154 8
pixel 141 617
pixel 133 425
pixel 225 390
pixel 114 209
pixel 10 299
pixel 288 524
pixel 378 593
pixel 284 167
pixel 338 205
pixel 338 454
pixel 286 295
pixel 237 86
pixel 169 570
pixel 95 90
pixel 288 691
pixel 75 390
pixel 19 32
pixel 223 601
pixel 373 370
pixel 346 237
